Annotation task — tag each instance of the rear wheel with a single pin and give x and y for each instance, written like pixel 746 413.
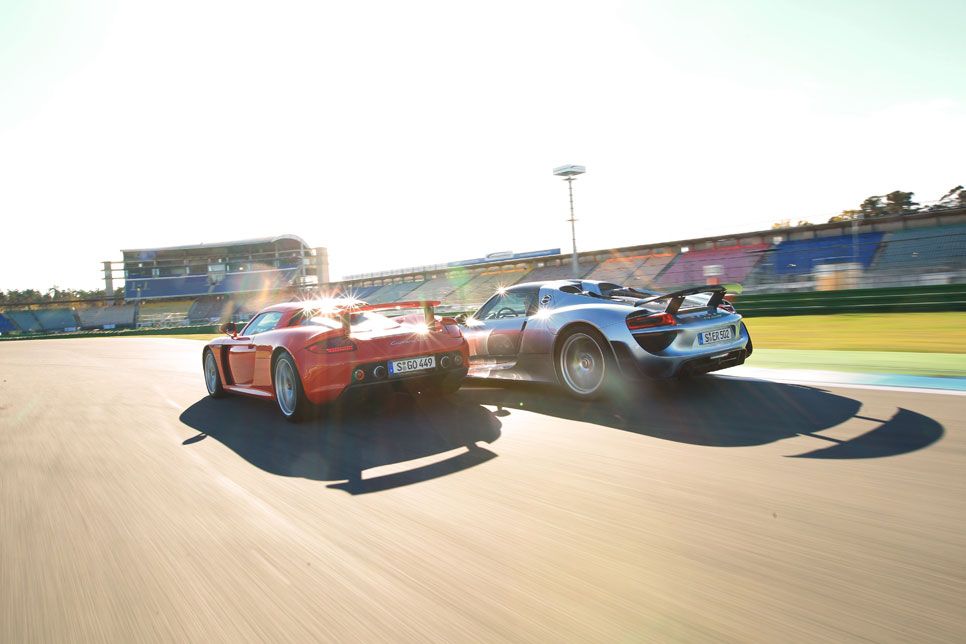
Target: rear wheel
pixel 289 394
pixel 583 363
pixel 212 379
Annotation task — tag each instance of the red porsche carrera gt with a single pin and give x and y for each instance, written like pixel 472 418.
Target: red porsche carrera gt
pixel 304 354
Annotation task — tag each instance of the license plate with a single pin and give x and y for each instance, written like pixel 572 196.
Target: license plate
pixel 399 367
pixel 715 335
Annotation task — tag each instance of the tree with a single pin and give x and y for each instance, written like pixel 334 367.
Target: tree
pixel 872 207
pixel 845 215
pixel 899 203
pixel 787 223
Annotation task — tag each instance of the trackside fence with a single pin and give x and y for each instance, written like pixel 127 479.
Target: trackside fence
pixel 176 330
pixel 945 297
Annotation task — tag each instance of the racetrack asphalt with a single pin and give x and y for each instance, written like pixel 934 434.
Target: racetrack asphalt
pixel 133 508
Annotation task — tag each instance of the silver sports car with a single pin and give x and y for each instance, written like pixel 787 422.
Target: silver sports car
pixel 584 334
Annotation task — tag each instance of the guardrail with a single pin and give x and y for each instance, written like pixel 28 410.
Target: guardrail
pixel 945 297
pixel 175 330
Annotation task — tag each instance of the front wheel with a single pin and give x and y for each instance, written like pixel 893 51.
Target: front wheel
pixel 289 394
pixel 583 363
pixel 212 379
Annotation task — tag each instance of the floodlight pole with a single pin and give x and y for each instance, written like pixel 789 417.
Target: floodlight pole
pixel 568 173
pixel 573 226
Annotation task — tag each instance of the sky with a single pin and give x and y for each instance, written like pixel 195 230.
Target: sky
pixel 408 133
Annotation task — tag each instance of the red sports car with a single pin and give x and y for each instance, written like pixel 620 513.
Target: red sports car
pixel 304 354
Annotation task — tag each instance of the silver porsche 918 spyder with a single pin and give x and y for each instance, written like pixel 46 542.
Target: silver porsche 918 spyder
pixel 585 334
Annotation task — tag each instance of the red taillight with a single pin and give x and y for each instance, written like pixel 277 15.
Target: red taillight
pixel 333 345
pixel 726 306
pixel 636 322
pixel 452 330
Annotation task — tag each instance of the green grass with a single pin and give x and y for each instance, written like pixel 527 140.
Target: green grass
pixel 948 365
pixel 892 332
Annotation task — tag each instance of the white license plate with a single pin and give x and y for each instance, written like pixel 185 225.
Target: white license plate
pixel 399 367
pixel 715 335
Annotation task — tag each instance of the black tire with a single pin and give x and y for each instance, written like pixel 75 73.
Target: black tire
pixel 209 368
pixel 584 363
pixel 289 394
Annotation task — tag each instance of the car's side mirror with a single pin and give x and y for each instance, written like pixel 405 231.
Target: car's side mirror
pixel 229 328
pixel 461 318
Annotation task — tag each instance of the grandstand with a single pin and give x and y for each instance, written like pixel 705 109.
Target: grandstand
pixel 162 312
pixel 224 268
pixel 617 269
pixel 25 320
pixel 56 319
pixel 442 287
pixel 643 276
pixel 211 310
pixel 392 292
pixel 934 254
pixel 926 248
pixel 560 269
pixel 483 285
pixel 716 265
pixel 6 326
pixel 107 317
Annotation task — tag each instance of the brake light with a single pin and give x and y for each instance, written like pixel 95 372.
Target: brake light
pixel 726 306
pixel 338 344
pixel 637 322
pixel 452 330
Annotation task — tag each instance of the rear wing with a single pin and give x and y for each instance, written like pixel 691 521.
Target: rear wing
pixel 676 298
pixel 428 307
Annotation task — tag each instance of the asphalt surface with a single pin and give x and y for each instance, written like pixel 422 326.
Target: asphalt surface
pixel 133 508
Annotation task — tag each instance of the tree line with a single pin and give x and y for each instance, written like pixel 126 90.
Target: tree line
pixel 897 202
pixel 54 295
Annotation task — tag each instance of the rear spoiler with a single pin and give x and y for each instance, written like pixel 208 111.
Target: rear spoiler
pixel 676 299
pixel 428 307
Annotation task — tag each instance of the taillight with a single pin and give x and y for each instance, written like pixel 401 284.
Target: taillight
pixel 726 306
pixel 337 344
pixel 452 330
pixel 636 322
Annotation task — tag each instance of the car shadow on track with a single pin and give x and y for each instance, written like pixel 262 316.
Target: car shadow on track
pixel 722 412
pixel 344 441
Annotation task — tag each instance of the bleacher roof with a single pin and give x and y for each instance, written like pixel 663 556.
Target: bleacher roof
pixel 240 242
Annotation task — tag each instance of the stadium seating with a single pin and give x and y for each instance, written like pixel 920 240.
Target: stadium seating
pixel 61 319
pixel 687 269
pixel 195 285
pixel 441 288
pixel 211 310
pixel 643 276
pixel 392 292
pixel 562 272
pixel 617 269
pixel 25 320
pixel 6 325
pixel 800 256
pixel 259 281
pixel 359 292
pixel 120 316
pixel 922 250
pixel 483 285
pixel 186 285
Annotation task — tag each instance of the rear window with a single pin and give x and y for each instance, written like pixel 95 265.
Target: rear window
pixel 362 321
